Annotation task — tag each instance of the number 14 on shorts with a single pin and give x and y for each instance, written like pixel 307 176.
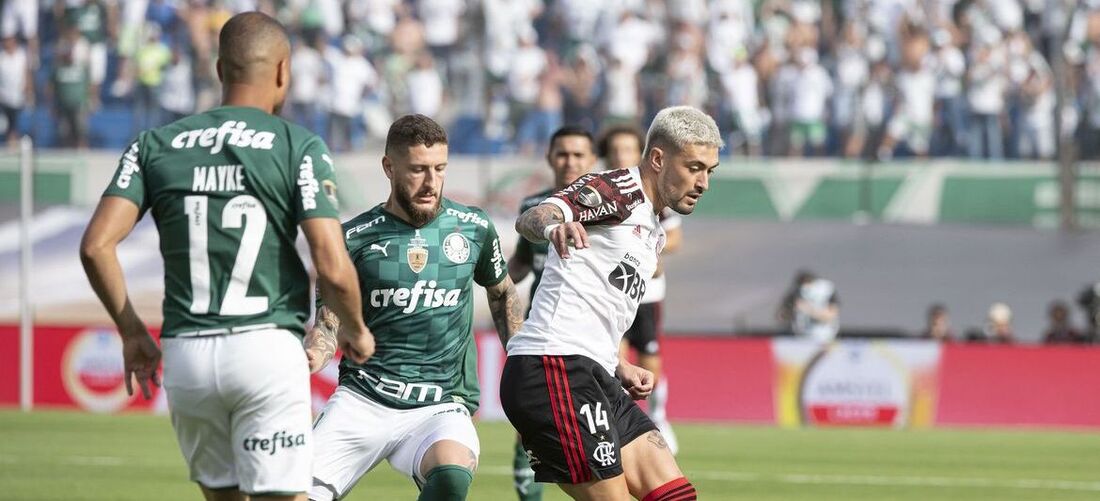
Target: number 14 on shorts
pixel 596 418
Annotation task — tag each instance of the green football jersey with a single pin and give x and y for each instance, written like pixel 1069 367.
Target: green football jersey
pixel 417 288
pixel 227 189
pixel 533 253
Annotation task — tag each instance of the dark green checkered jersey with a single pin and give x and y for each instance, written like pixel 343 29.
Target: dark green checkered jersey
pixel 227 189
pixel 533 253
pixel 417 287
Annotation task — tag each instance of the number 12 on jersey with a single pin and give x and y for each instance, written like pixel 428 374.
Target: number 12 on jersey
pixel 241 210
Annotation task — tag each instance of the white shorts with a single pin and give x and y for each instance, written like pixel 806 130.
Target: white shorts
pixel 353 434
pixel 240 405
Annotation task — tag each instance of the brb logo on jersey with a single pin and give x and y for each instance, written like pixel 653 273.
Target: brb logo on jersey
pixel 626 278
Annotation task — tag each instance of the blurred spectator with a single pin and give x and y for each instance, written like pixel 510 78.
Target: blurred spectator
pixel 425 87
pixel 524 85
pixel 1089 301
pixel 938 326
pixel 581 89
pixel 811 308
pixel 950 137
pixel 986 97
pixel 70 88
pixel 911 124
pixel 621 146
pixel 176 94
pixel 998 326
pixel 19 19
pixel 353 78
pixel 307 85
pixel 811 88
pixel 1061 330
pixel 16 86
pixel 740 87
pixel 150 61
pixel 852 75
pixel 95 23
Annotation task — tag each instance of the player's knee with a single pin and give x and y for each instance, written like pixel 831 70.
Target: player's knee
pixel 446 483
pixel 678 490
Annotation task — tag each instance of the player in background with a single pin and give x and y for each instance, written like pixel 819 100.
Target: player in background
pixel 417 257
pixel 570 156
pixel 563 384
pixel 223 186
pixel 620 147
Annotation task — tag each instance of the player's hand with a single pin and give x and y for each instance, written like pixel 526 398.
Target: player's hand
pixel 356 344
pixel 566 234
pixel 140 360
pixel 637 381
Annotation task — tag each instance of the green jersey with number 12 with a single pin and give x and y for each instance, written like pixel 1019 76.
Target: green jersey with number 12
pixel 227 189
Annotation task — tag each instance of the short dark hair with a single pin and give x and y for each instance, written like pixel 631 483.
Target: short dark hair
pixel 570 130
pixel 248 41
pixel 604 146
pixel 411 130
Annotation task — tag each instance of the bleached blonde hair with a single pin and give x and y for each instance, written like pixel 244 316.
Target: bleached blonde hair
pixel 679 126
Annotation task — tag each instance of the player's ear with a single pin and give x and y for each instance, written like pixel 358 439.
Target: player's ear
pixel 282 74
pixel 218 68
pixel 656 156
pixel 387 166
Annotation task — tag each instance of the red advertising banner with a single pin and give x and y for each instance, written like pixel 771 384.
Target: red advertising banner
pixel 784 381
pixel 1020 385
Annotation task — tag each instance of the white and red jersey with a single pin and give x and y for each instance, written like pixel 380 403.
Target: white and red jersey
pixel 585 303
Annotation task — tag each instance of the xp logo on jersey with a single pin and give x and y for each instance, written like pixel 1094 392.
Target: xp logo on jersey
pixel 626 278
pixel 604 453
pixel 278 441
pixel 417 253
pixel 456 248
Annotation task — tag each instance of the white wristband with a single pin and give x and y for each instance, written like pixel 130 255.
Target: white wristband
pixel 547 230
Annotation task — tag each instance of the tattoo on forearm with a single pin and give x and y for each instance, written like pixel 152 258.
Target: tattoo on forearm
pixel 656 439
pixel 323 334
pixel 507 309
pixel 536 219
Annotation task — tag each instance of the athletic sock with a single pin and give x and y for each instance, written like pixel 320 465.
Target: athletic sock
pixel 446 483
pixel 676 490
pixel 526 487
pixel 657 401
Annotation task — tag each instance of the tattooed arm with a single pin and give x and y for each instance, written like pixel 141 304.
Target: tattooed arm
pixel 506 308
pixel 320 342
pixel 532 223
pixel 533 226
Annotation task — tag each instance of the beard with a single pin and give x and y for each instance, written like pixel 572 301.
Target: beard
pixel 679 204
pixel 419 215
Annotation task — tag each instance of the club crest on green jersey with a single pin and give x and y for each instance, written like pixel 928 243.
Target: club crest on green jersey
pixel 456 247
pixel 417 253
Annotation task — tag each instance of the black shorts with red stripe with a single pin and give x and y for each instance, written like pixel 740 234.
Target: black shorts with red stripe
pixel 572 416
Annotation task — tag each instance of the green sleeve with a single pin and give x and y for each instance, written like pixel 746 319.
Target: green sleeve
pixel 491 268
pixel 315 183
pixel 129 179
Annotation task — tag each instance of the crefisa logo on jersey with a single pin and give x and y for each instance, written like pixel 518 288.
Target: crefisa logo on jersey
pixel 417 253
pixel 456 247
pixel 92 371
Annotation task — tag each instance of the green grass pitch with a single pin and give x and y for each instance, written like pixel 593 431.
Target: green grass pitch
pixel 72 456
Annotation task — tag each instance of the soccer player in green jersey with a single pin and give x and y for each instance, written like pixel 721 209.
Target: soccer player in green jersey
pixel 417 256
pixel 228 189
pixel 570 156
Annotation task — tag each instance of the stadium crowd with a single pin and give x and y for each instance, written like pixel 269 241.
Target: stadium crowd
pixel 851 78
